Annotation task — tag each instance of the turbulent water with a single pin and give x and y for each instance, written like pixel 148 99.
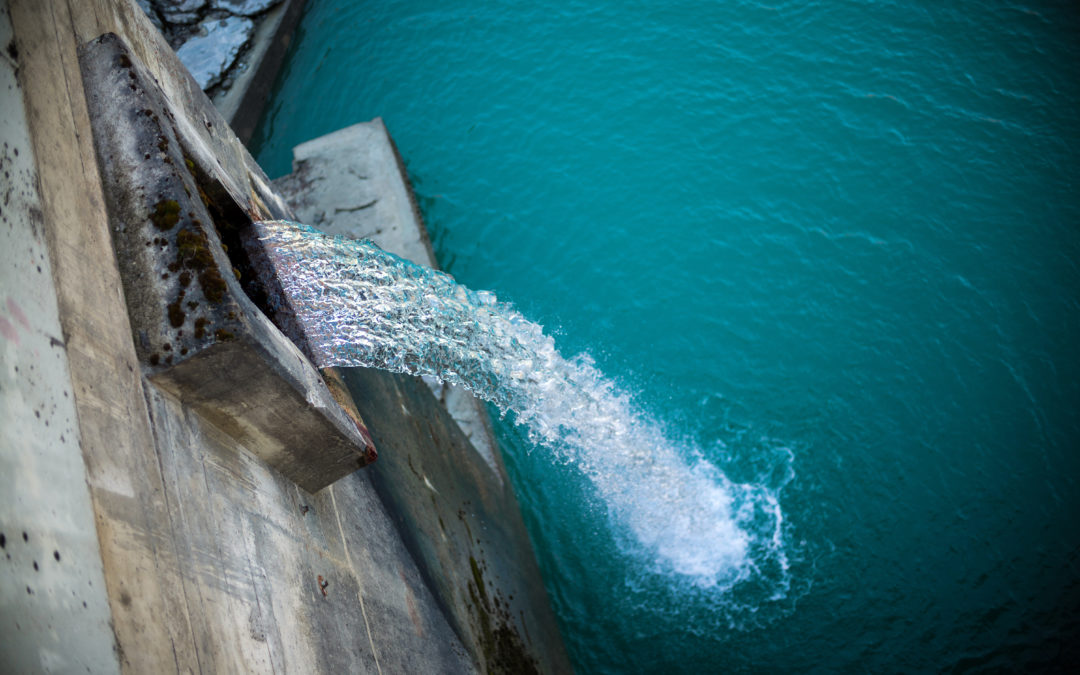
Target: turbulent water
pixel 363 306
pixel 823 256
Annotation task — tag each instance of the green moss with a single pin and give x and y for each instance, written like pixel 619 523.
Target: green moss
pixel 223 335
pixel 176 314
pixel 213 285
pixel 200 327
pixel 193 249
pixel 479 579
pixel 166 214
pixel 504 650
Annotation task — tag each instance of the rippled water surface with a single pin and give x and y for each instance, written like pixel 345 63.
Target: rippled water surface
pixel 824 254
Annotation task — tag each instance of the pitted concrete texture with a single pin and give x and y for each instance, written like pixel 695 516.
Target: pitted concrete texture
pixel 352 183
pixel 54 613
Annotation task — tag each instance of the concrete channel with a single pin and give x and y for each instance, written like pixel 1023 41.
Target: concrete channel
pixel 181 489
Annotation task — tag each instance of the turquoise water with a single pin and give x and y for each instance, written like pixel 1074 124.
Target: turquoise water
pixel 831 251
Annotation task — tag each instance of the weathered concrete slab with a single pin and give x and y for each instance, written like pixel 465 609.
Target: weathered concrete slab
pixel 54 613
pixel 115 437
pixel 352 183
pixel 212 560
pixel 146 509
pixel 464 528
pixel 279 580
pixel 196 332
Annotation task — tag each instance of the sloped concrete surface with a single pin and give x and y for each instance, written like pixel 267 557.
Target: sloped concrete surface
pixel 280 580
pixel 464 529
pixel 54 613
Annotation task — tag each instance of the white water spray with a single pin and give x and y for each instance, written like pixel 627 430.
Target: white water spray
pixel 361 306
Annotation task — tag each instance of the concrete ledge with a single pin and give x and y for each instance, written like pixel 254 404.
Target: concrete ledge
pixel 197 334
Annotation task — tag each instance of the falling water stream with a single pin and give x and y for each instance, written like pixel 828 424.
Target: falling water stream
pixel 362 306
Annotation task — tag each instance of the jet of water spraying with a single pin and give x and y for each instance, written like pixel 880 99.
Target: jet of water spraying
pixel 362 306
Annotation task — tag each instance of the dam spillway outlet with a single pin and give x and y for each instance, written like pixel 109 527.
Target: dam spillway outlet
pixel 197 333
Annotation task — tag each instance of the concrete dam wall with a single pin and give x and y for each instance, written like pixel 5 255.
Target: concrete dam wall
pixel 182 489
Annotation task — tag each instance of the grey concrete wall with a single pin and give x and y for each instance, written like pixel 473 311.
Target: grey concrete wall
pixel 190 552
pixel 54 613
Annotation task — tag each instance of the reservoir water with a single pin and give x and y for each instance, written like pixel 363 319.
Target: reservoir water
pixel 826 253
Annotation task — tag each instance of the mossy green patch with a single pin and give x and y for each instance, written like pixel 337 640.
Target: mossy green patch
pixel 213 285
pixel 176 314
pixel 193 252
pixel 166 214
pixel 479 579
pixel 193 249
pixel 504 650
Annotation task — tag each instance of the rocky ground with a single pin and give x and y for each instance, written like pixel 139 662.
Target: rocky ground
pixel 209 36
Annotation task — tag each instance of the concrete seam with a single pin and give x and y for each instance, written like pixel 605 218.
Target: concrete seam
pixel 70 119
pixel 67 80
pixel 258 601
pixel 356 573
pixel 172 534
